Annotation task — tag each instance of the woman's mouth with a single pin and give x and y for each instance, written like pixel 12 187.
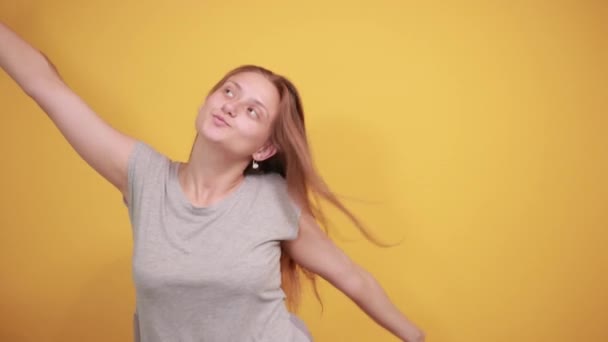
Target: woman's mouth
pixel 219 121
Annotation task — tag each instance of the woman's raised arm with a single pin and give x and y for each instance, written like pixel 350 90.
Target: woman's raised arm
pixel 99 144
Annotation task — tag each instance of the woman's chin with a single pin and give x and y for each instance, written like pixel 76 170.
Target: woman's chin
pixel 212 134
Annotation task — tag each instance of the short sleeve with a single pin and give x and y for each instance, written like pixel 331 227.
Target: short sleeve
pixel 146 167
pixel 288 212
pixel 294 222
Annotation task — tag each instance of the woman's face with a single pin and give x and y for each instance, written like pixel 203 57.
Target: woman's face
pixel 239 114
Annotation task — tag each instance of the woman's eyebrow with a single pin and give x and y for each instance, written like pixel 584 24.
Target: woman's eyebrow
pixel 255 100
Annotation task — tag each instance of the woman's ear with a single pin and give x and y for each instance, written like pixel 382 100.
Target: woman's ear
pixel 265 152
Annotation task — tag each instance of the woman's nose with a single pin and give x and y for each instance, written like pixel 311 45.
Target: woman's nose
pixel 229 108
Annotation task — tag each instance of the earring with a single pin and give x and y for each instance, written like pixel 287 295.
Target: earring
pixel 255 165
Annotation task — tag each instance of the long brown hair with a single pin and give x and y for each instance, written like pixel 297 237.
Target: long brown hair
pixel 293 161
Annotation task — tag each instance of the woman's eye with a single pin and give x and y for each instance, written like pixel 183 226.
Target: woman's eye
pixel 252 112
pixel 228 92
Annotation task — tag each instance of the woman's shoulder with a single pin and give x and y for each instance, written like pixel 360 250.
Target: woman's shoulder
pixel 270 185
pixel 272 178
pixel 274 198
pixel 274 185
pixel 148 153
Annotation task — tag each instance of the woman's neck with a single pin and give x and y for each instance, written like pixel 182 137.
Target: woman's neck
pixel 209 175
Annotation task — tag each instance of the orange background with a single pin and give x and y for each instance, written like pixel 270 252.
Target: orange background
pixel 476 131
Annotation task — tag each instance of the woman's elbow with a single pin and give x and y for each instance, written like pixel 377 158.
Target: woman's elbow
pixel 357 282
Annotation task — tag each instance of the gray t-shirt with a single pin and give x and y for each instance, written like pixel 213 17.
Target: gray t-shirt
pixel 208 274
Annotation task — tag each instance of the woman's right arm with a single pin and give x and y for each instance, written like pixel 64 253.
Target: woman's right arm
pixel 104 148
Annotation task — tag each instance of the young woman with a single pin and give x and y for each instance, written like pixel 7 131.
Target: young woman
pixel 219 240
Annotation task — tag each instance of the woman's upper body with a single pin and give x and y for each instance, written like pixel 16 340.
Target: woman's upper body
pixel 208 273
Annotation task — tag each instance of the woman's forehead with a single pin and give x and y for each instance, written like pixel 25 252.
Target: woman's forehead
pixel 256 86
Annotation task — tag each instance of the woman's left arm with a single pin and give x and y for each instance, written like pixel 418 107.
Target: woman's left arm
pixel 315 251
